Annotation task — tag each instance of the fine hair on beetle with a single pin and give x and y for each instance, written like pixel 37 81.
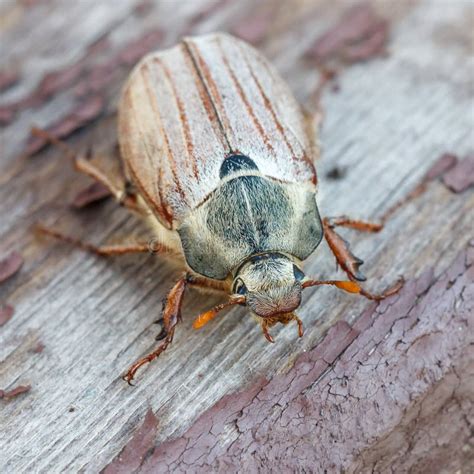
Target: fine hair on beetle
pixel 219 160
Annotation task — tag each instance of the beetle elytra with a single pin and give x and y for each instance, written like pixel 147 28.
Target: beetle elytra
pixel 221 160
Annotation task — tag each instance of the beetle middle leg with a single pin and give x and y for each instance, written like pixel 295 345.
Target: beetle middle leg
pixel 103 250
pixel 345 258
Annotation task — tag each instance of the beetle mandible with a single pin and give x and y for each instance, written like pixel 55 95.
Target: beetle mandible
pixel 221 160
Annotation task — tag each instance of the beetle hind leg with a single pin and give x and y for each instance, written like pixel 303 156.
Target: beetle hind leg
pixel 119 188
pixel 314 115
pixel 122 192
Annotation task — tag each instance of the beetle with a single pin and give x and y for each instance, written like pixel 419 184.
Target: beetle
pixel 221 160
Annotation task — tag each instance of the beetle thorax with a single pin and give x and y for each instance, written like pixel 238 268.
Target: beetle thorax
pixel 249 214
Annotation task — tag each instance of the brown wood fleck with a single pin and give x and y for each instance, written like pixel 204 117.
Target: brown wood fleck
pixel 14 392
pixel 9 265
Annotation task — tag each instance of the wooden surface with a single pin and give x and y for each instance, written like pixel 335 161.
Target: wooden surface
pixel 389 122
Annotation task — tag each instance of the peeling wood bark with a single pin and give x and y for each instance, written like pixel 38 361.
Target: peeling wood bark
pixel 395 391
pixel 388 123
pixel 9 265
pixel 133 454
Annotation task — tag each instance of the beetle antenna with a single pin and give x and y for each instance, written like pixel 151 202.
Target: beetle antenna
pixel 204 318
pixel 349 286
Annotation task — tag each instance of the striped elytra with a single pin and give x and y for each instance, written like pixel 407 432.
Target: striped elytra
pixel 185 109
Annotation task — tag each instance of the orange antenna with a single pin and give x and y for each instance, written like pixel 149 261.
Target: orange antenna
pixel 204 318
pixel 349 286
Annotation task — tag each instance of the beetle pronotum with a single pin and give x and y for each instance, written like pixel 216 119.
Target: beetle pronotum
pixel 221 158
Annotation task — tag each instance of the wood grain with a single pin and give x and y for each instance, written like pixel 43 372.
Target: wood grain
pixel 339 398
pixel 391 119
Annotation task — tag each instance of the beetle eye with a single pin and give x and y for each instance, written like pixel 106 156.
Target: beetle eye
pixel 299 275
pixel 240 287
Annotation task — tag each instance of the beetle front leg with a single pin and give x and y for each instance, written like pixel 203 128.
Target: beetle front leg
pixel 171 318
pixel 346 259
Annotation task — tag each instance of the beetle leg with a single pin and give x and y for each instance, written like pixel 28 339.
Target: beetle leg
pixel 340 248
pixel 103 250
pixel 171 318
pixel 346 259
pixel 413 194
pixel 162 334
pixel 265 325
pixel 344 221
pixel 207 283
pixel 120 191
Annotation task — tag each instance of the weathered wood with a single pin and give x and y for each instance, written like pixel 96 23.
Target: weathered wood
pixel 389 122
pixel 346 405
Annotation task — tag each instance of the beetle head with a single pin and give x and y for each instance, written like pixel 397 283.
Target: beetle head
pixel 271 284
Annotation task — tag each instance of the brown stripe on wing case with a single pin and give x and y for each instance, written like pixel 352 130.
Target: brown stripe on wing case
pixel 305 156
pixel 211 88
pixel 269 107
pixel 168 216
pixel 183 118
pixel 171 158
pixel 160 210
pixel 245 100
pixel 205 98
pixel 129 163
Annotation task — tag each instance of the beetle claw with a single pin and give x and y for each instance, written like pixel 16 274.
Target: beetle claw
pixel 128 378
pixel 359 276
pixel 267 335
pixel 162 334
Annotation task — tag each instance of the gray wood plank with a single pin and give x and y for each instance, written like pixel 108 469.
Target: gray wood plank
pixel 391 120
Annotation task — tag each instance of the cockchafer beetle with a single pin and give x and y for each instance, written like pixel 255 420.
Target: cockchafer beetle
pixel 221 159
